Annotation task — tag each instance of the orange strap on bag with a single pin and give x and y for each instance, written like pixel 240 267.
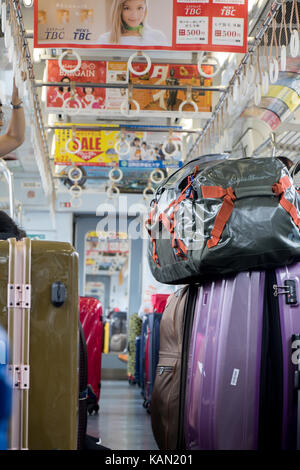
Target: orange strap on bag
pixel 279 190
pixel 170 224
pixel 149 224
pixel 225 212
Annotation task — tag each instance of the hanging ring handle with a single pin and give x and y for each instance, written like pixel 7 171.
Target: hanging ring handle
pixel 76 202
pixel 148 192
pixel 117 147
pixel 204 74
pixel 112 192
pixel 257 95
pixel 250 73
pixel 3 17
pixel 265 83
pixel 67 146
pixel 76 191
pixel 74 140
pixel 189 100
pixel 294 43
pixel 167 142
pixel 160 178
pixel 77 66
pixel 283 58
pixel 113 178
pixel 124 108
pixel 283 27
pixel 274 70
pixel 139 54
pixel 66 109
pixel 75 177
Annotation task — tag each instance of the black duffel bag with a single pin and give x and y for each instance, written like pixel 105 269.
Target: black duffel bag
pixel 216 216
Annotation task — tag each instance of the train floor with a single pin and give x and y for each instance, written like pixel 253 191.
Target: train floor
pixel 122 422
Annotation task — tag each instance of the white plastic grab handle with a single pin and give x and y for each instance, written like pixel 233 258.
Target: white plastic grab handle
pixel 265 83
pixel 117 147
pixel 113 178
pixel 77 67
pixel 257 95
pixel 66 109
pixel 243 85
pixel 112 192
pixel 7 35
pixel 159 179
pixel 11 49
pixel 164 148
pixel 188 102
pixel 236 92
pixel 123 108
pixel 283 58
pixel 148 192
pixel 78 174
pixel 230 106
pixel 76 202
pixel 294 43
pixel 3 16
pixel 204 74
pixel 67 148
pixel 76 191
pixel 250 74
pixel 274 70
pixel 133 56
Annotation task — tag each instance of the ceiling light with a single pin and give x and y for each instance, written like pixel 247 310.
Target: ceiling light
pixel 27 3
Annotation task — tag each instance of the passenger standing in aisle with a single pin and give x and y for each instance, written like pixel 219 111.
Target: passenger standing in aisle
pixel 15 133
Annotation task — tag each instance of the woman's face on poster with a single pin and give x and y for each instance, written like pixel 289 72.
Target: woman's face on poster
pixel 133 12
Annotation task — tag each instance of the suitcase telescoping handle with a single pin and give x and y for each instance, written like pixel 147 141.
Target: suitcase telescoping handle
pixel 9 178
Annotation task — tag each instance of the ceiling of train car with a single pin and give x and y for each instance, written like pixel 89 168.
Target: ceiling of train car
pixel 251 132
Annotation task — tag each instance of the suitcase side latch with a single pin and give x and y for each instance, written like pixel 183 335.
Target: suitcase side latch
pixel 289 289
pixel 20 376
pixel 19 295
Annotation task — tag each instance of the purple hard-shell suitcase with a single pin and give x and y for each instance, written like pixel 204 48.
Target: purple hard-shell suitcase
pixel 223 376
pixel 242 378
pixel 287 290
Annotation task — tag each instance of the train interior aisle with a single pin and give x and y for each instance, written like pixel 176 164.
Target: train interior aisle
pixel 122 422
pixel 149 225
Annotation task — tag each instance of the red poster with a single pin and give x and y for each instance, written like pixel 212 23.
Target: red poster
pixel 194 25
pixel 88 100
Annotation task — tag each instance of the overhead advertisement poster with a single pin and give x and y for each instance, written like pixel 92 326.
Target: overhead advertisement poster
pixel 99 101
pixel 195 25
pixel 148 150
pixel 88 100
pixel 85 147
pixel 167 102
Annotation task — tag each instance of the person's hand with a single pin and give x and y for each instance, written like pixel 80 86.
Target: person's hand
pixel 15 95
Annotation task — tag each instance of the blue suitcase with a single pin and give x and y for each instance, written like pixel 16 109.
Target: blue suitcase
pixel 137 373
pixel 143 372
pixel 154 320
pixel 5 391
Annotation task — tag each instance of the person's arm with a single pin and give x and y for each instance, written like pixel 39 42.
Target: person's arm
pixel 15 134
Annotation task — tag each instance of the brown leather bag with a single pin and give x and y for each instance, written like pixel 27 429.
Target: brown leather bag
pixel 165 402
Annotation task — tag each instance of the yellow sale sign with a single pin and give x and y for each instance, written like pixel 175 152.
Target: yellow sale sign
pixel 85 147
